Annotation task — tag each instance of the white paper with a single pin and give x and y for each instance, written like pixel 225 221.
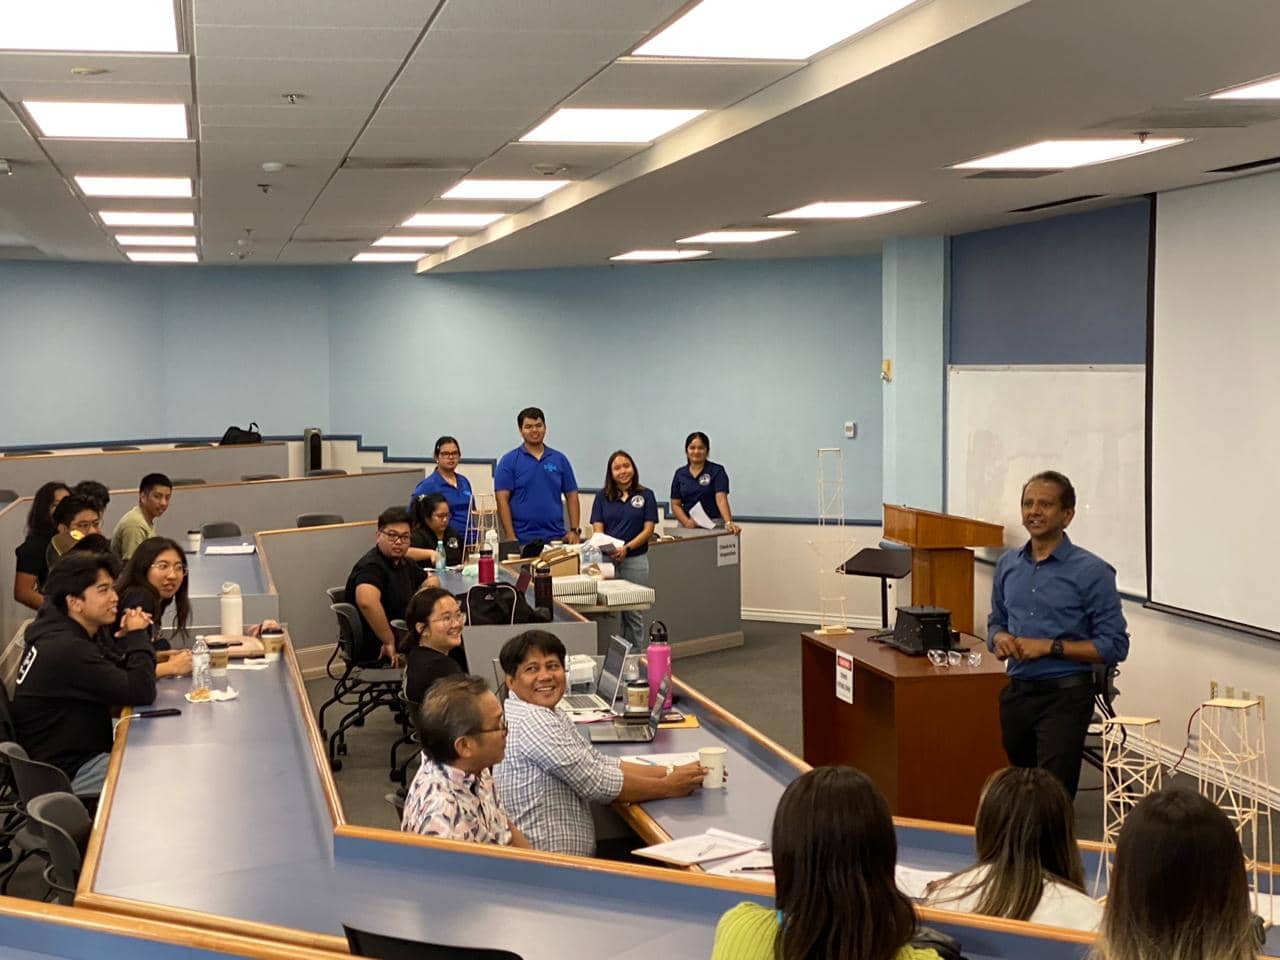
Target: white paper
pixel 229 550
pixel 660 759
pixel 727 552
pixel 736 866
pixel 602 539
pixel 844 677
pixel 712 845
pixel 912 880
pixel 699 516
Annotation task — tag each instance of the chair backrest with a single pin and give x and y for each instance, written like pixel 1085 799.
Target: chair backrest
pixel 350 630
pixel 118 447
pixel 189 481
pixel 318 519
pixel 64 823
pixel 32 777
pixel 10 659
pixel 326 472
pixel 8 496
pixel 250 477
pixel 219 528
pixel 8 731
pixel 191 444
pixel 382 947
pixel 337 594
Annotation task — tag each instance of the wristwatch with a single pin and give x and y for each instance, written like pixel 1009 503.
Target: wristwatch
pixel 671 768
pixel 1055 649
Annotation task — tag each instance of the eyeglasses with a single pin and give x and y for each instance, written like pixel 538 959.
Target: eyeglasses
pixel 395 537
pixel 449 453
pixel 500 728
pixel 456 617
pixel 164 566
pixel 86 526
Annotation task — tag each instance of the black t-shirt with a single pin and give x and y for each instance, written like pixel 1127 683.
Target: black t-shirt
pixel 148 602
pixel 423 667
pixel 32 556
pixel 425 538
pixel 397 583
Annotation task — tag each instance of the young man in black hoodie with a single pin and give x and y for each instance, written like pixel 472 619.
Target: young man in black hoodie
pixel 74 671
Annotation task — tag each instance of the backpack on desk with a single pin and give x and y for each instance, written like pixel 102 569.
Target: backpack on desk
pixel 235 435
pixel 498 604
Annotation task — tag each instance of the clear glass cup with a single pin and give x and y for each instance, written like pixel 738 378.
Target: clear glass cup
pixel 937 657
pixel 954 658
pixel 975 658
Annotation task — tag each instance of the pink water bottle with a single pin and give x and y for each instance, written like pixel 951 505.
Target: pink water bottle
pixel 658 657
pixel 486 565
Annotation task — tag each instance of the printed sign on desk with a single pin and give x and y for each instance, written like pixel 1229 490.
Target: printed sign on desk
pixel 844 677
pixel 726 551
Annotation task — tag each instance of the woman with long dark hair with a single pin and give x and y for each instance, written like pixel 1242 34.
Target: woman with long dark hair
pixel 700 482
pixel 627 511
pixel 1029 866
pixel 430 531
pixel 1178 889
pixel 32 553
pixel 154 579
pixel 836 896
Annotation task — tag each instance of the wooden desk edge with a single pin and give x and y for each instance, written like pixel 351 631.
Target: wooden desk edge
pixel 97 835
pixel 319 755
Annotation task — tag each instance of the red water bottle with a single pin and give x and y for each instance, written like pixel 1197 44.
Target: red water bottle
pixel 486 566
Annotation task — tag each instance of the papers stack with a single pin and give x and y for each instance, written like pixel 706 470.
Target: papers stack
pixel 714 844
pixel 617 593
pixel 575 588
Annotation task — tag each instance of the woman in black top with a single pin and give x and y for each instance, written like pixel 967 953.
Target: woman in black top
pixel 429 527
pixel 32 566
pixel 434 641
pixel 154 579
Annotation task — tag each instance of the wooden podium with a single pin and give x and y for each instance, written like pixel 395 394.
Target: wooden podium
pixel 941 558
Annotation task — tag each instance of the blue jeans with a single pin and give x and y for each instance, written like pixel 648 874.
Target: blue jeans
pixel 91 776
pixel 636 570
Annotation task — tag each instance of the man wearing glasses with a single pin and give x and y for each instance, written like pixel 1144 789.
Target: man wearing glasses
pixel 463 733
pixel 381 584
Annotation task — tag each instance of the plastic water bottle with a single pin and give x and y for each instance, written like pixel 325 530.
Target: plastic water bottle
pixel 201 677
pixel 491 541
pixel 441 560
pixel 591 554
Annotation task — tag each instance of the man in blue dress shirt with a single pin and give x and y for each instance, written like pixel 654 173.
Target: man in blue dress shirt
pixel 1055 614
pixel 529 482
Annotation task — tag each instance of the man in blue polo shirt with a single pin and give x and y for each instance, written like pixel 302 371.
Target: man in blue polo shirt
pixel 1055 613
pixel 529 482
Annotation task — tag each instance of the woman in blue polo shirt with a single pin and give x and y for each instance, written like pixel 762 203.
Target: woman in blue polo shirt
pixel 701 482
pixel 628 512
pixel 447 481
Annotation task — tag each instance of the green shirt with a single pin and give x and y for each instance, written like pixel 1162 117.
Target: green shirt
pixel 133 528
pixel 748 932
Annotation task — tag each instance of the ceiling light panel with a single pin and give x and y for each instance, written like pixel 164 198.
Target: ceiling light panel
pixel 607 125
pixel 844 209
pixel 109 121
pixel 1254 90
pixel 134 186
pixel 480 189
pixel 398 257
pixel 136 26
pixel 143 218
pixel 454 220
pixel 1067 154
pixel 737 236
pixel 765 29
pixel 154 240
pixel 654 256
pixel 159 256
pixel 418 243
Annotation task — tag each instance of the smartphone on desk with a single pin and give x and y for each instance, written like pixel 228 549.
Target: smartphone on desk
pixel 166 712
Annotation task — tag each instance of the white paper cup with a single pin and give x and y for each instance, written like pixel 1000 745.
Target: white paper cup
pixel 713 759
pixel 272 643
pixel 193 541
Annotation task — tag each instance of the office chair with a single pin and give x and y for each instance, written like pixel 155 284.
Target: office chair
pixel 191 444
pixel 326 472
pixel 1104 702
pixel 118 447
pixel 8 496
pixel 188 481
pixel 31 453
pixel 317 519
pixel 18 832
pixel 372 687
pixel 64 824
pixel 250 477
pixel 219 528
pixel 382 947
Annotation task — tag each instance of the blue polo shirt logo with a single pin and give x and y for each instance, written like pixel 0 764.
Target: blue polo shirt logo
pixel 705 479
pixel 551 467
pixel 638 502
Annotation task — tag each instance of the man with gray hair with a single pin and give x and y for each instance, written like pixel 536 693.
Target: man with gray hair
pixel 464 733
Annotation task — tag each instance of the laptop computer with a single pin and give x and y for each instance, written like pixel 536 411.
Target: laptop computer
pixel 606 694
pixel 622 732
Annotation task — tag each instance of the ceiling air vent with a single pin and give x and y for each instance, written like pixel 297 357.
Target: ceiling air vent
pixel 1058 203
pixel 1242 167
pixel 1011 174
pixel 402 163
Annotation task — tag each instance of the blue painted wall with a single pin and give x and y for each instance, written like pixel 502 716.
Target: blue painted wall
pixel 1071 289
pixel 769 358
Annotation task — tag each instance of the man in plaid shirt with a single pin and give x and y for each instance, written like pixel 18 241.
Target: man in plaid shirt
pixel 550 775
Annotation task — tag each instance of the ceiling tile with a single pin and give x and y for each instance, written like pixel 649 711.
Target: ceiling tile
pixel 117 158
pixel 517 159
pixel 267 136
pixel 702 85
pixel 121 68
pixel 17 144
pixel 284 117
pixel 635 16
pixel 304 43
pixel 75 90
pixel 376 198
pixel 232 157
pixel 296 252
pixel 331 13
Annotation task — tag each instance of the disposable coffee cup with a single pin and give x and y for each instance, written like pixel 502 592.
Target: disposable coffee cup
pixel 272 644
pixel 193 541
pixel 219 657
pixel 713 759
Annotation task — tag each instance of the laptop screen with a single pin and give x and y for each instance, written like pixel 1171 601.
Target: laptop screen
pixel 615 658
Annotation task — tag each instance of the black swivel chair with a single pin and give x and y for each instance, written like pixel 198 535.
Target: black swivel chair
pixel 372 687
pixel 317 519
pixel 191 444
pixel 1104 700
pixel 326 472
pixel 219 528
pixel 64 823
pixel 8 496
pixel 251 477
pixel 382 947
pixel 188 481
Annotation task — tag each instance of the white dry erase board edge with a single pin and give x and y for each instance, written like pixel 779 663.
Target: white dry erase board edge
pixel 1087 421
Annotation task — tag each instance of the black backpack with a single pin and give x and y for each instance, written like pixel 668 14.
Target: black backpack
pixel 499 604
pixel 235 435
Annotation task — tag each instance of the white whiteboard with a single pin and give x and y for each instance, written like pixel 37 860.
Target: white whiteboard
pixel 1007 423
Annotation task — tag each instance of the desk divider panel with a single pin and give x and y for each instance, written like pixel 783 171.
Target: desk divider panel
pixel 13 529
pixel 122 469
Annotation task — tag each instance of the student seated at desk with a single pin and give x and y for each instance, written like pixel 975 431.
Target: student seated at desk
pixel 154 493
pixel 380 586
pixel 1178 888
pixel 72 674
pixel 154 579
pixel 32 554
pixel 463 734
pixel 551 775
pixel 433 645
pixel 1029 866
pixel 836 896
pixel 431 531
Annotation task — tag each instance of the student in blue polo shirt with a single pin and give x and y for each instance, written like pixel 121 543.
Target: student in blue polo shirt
pixel 627 511
pixel 447 481
pixel 700 481
pixel 529 482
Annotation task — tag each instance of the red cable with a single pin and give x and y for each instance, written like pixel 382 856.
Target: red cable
pixel 1190 720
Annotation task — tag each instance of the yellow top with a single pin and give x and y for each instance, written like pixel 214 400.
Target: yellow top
pixel 748 932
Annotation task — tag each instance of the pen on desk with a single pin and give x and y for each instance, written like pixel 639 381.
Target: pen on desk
pixel 707 849
pixel 768 869
pixel 647 763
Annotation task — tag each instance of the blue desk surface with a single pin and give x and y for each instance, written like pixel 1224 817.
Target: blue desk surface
pixel 207 574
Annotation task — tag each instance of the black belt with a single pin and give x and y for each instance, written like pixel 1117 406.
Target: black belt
pixel 1056 683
